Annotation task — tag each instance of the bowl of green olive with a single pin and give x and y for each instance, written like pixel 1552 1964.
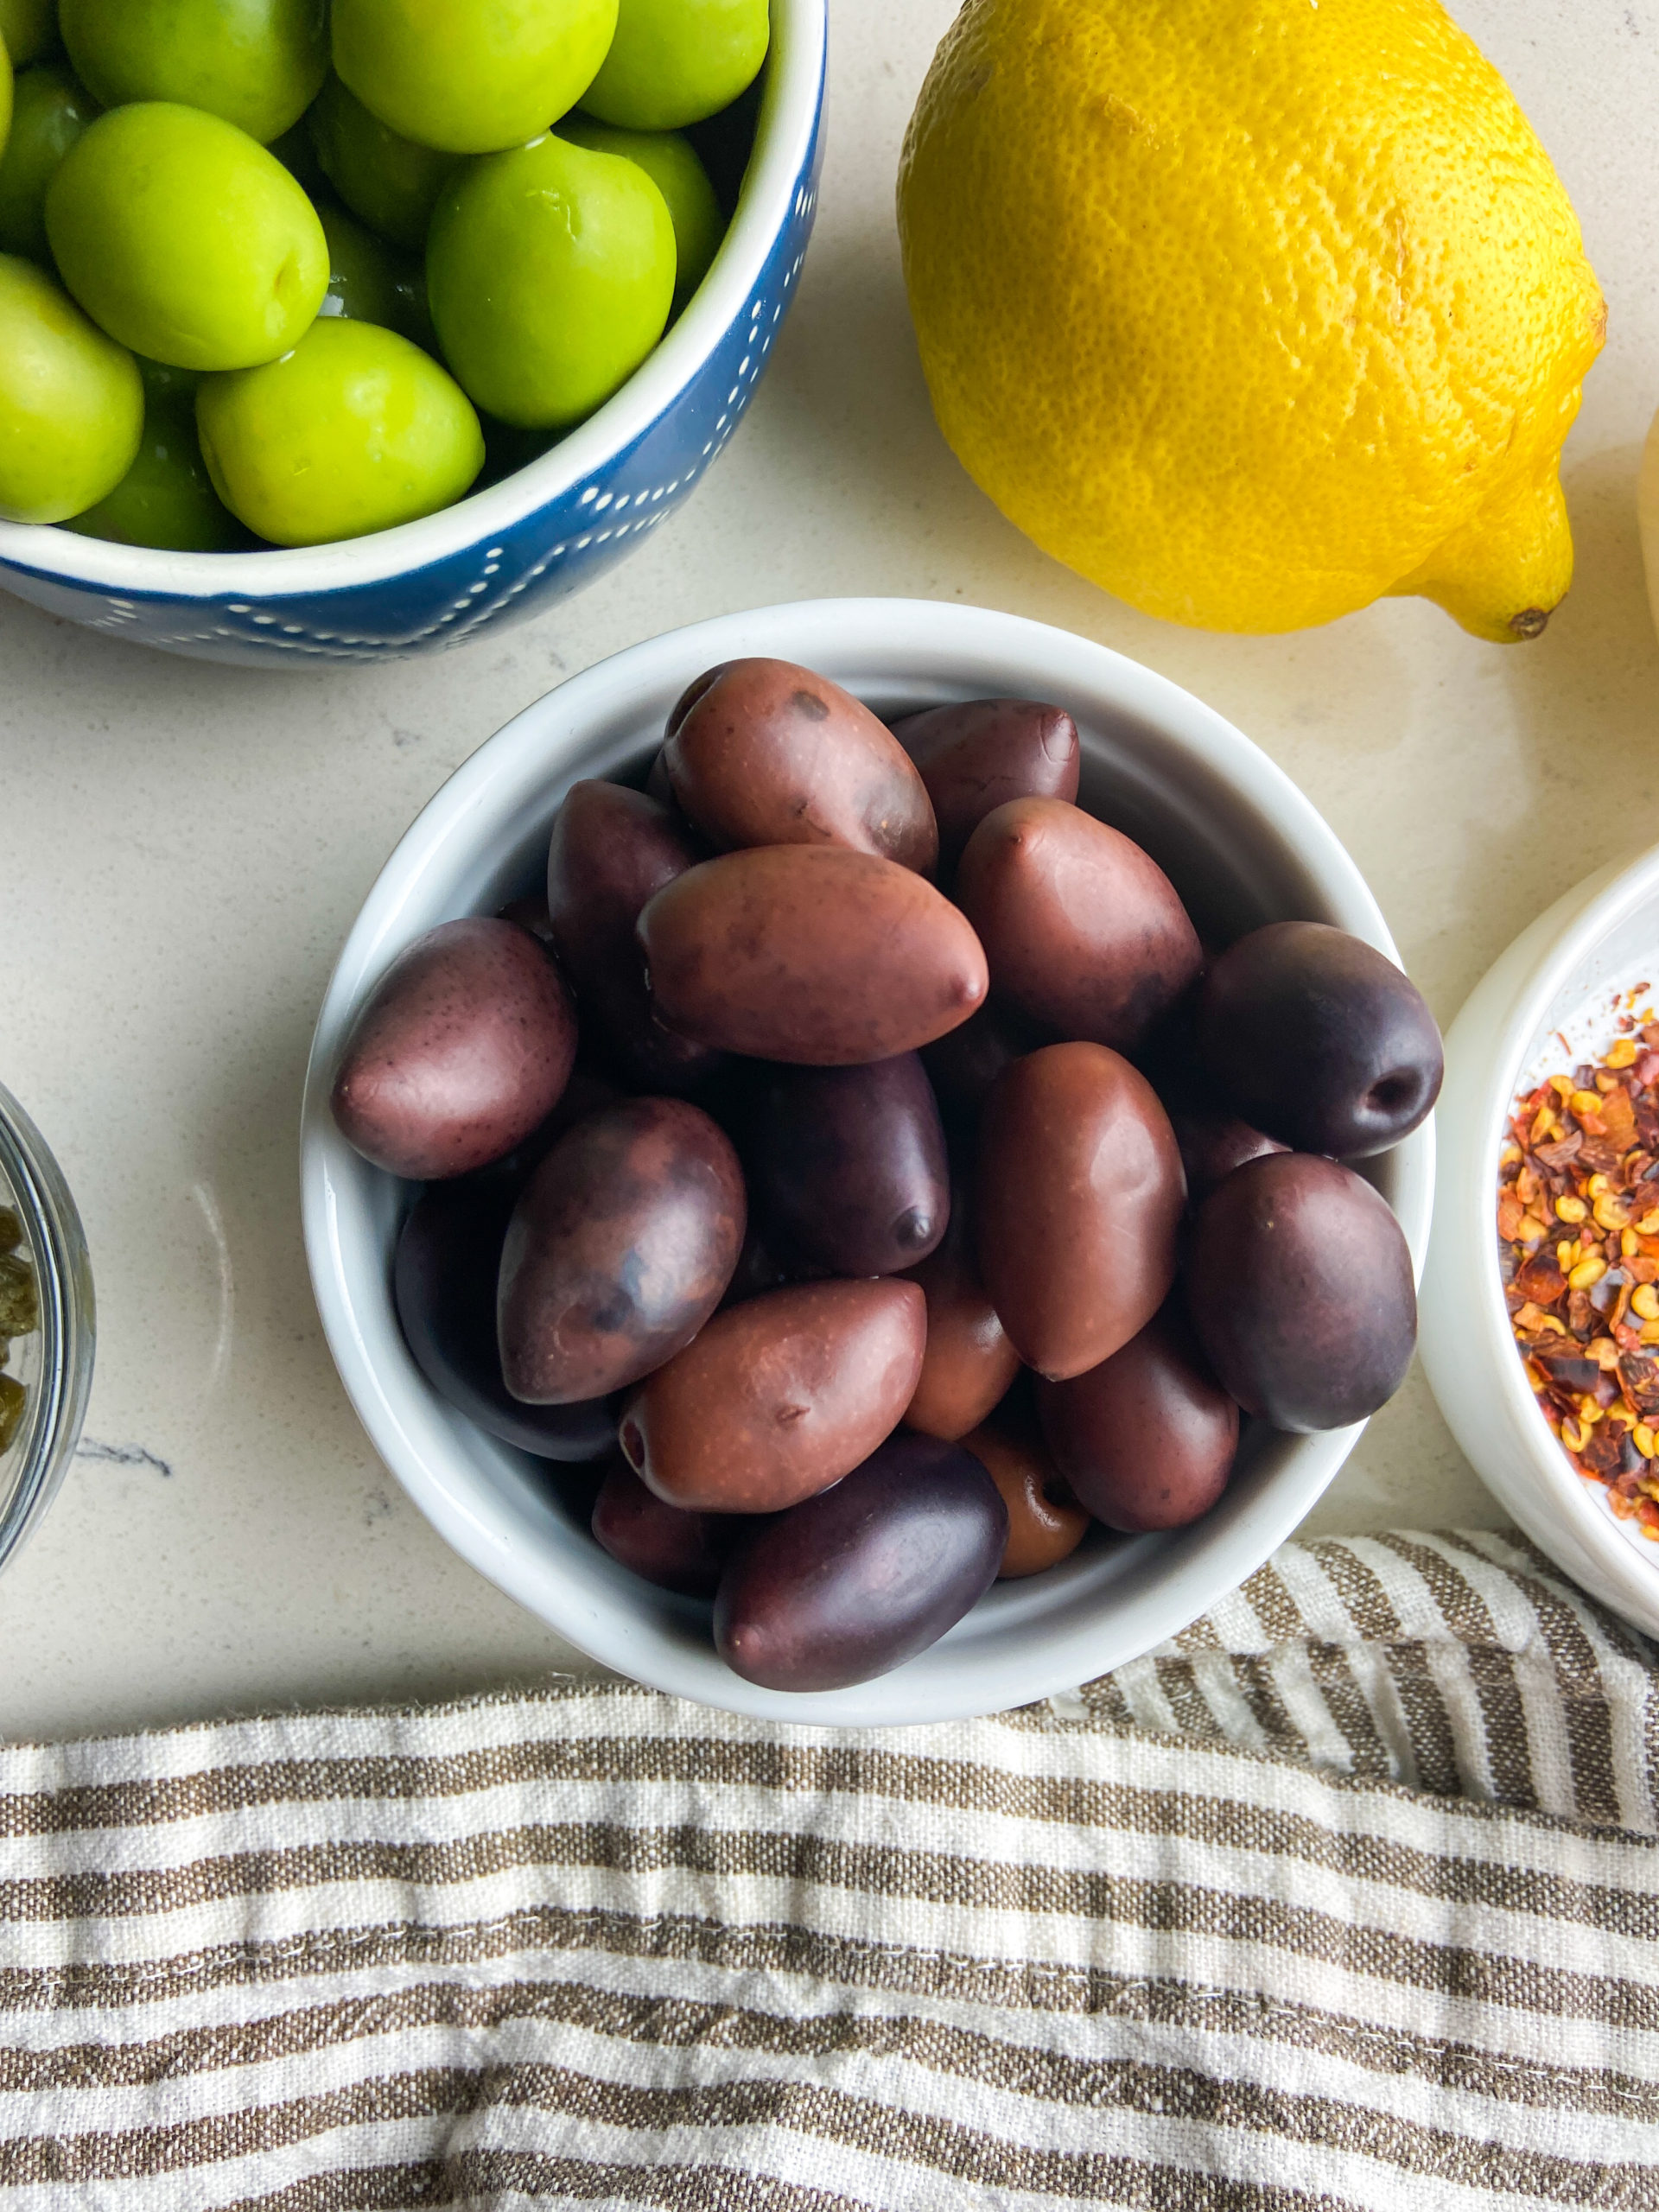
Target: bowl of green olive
pixel 346 330
pixel 47 1327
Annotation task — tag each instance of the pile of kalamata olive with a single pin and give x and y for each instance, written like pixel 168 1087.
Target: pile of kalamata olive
pixel 860 1154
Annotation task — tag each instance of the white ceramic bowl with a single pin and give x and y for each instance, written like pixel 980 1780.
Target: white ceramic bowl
pixel 1560 975
pixel 1239 839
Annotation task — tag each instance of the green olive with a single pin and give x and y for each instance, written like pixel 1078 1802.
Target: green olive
pixel 294 150
pixel 49 112
pixel 257 63
pixel 185 239
pixel 163 383
pixel 672 163
pixel 674 61
pixel 71 405
pixel 27 28
pixel 370 281
pixel 388 182
pixel 167 497
pixel 355 430
pixel 362 282
pixel 550 272
pixel 414 317
pixel 471 80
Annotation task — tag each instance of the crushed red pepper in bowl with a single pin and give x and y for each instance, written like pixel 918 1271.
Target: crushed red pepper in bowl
pixel 1577 1241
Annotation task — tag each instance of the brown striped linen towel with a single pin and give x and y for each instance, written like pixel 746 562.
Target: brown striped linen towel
pixel 1348 1898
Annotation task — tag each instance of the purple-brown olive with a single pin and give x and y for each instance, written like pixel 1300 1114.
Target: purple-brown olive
pixel 1082 929
pixel 1316 1037
pixel 620 1247
pixel 658 1543
pixel 460 1050
pixel 1077 1201
pixel 1213 1142
pixel 858 1579
pixel 764 753
pixel 586 1090
pixel 530 913
pixel 969 1364
pixel 809 954
pixel 975 756
pixel 758 1270
pixel 778 1398
pixel 1300 1286
pixel 658 786
pixel 1045 1523
pixel 963 1064
pixel 611 850
pixel 1147 1439
pixel 443 1280
pixel 848 1165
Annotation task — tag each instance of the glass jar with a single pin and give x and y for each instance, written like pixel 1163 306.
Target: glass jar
pixel 52 1362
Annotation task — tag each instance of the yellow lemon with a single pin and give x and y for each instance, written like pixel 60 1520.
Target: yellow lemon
pixel 1251 310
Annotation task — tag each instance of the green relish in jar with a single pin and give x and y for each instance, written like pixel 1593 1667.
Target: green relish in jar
pixel 20 1316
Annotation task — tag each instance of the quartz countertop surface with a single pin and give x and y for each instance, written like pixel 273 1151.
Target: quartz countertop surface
pixel 183 848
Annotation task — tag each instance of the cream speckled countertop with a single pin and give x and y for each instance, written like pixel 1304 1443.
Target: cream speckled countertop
pixel 183 848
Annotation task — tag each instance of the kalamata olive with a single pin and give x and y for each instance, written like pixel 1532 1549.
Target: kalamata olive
pixel 658 786
pixel 1147 1439
pixel 587 1090
pixel 863 1577
pixel 963 1064
pixel 443 1280
pixel 529 913
pixel 675 1550
pixel 619 1249
pixel 1298 1283
pixel 1314 1036
pixel 763 752
pixel 809 954
pixel 611 850
pixel 1213 1142
pixel 461 1049
pixel 1082 931
pixel 849 1164
pixel 756 1271
pixel 969 1364
pixel 1045 1523
pixel 977 757
pixel 571 1485
pixel 1077 1199
pixel 778 1398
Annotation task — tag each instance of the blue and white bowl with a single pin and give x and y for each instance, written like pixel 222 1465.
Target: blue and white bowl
pixel 511 550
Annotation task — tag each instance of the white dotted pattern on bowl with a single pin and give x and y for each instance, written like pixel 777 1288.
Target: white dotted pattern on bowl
pixel 476 602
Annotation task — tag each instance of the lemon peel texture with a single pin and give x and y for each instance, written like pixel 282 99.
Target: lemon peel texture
pixel 1252 310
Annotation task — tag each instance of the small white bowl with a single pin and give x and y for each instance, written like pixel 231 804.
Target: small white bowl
pixel 1244 846
pixel 1549 1003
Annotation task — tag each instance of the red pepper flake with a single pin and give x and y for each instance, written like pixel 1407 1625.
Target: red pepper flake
pixel 1578 1227
pixel 1541 1280
pixel 1562 1153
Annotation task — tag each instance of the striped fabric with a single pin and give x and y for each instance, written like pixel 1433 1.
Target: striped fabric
pixel 1349 1898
